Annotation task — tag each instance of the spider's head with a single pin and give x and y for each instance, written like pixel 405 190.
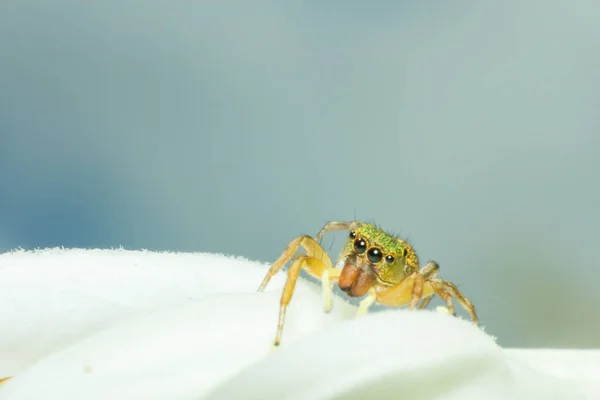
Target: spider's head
pixel 371 256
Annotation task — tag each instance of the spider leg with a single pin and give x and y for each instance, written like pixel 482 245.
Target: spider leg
pixel 316 262
pixel 333 226
pixel 327 287
pixel 429 271
pixel 410 290
pixel 447 297
pixel 367 302
pixel 313 249
pixel 327 284
pixel 314 267
pixel 425 302
pixel 448 290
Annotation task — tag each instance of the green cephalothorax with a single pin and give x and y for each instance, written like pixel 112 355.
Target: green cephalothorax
pixel 373 263
pixel 390 257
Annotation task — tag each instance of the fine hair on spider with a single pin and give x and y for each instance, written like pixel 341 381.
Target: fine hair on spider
pixel 375 264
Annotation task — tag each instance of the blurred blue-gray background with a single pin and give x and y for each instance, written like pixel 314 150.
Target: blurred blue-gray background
pixel 470 128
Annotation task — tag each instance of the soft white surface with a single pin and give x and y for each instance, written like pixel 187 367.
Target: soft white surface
pixel 141 325
pixel 51 297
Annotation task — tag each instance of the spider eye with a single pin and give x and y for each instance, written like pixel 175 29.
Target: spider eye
pixel 352 235
pixel 404 253
pixel 360 245
pixel 374 255
pixel 389 259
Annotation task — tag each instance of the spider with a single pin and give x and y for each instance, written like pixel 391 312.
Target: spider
pixel 372 262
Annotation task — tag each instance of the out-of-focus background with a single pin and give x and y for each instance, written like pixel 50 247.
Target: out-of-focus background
pixel 471 129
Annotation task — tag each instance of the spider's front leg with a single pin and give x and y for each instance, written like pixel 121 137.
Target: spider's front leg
pixel 334 226
pixel 410 290
pixel 417 286
pixel 316 262
pixel 311 245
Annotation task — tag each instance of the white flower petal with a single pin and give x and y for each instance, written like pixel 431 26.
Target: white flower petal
pixel 178 352
pixel 52 297
pixel 140 325
pixel 396 354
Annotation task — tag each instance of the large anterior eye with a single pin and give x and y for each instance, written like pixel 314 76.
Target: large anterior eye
pixel 360 245
pixel 374 255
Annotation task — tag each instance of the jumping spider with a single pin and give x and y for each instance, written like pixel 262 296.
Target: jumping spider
pixel 372 263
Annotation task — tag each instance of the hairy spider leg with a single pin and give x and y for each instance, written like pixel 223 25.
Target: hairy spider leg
pixel 334 226
pixel 314 267
pixel 429 271
pixel 313 249
pixel 326 278
pixel 416 286
pixel 448 290
pixel 409 290
pixel 316 263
